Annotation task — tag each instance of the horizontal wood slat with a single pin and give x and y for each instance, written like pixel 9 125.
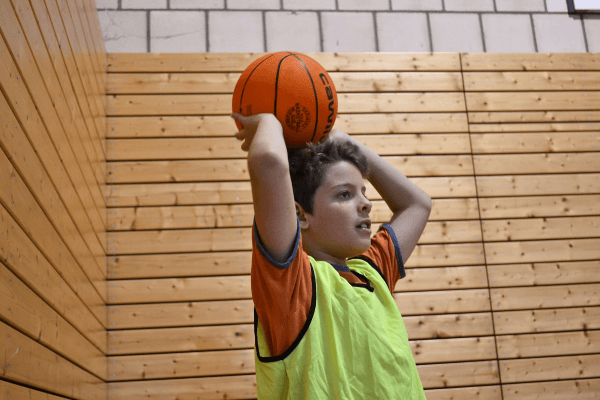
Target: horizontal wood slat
pixel 583 389
pixel 526 185
pixel 180 83
pixel 539 206
pixel 239 192
pixel 225 337
pixel 219 126
pixel 223 288
pixel 220 104
pixel 489 143
pixel 241 311
pixel 237 62
pixel 544 273
pixel 384 145
pixel 533 101
pixel 468 393
pixel 534 321
pixel 541 228
pixel 543 251
pixel 227 216
pixel 546 297
pixel 530 62
pixel 502 164
pixel 515 126
pixel 534 116
pixel 548 344
pixel 550 368
pixel 531 81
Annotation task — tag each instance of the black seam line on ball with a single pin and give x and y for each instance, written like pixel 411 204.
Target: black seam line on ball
pixel 316 98
pixel 248 80
pixel 277 83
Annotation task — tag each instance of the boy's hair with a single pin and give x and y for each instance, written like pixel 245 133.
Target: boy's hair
pixel 308 167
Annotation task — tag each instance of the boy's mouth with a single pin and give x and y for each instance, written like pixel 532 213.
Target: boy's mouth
pixel 365 225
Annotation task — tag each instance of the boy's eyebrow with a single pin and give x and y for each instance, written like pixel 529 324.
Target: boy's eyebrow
pixel 346 184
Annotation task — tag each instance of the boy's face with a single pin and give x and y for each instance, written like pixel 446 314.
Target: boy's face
pixel 340 207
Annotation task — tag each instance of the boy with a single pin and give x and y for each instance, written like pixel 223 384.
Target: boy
pixel 325 322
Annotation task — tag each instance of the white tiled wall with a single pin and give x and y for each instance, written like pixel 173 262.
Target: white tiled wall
pixel 346 26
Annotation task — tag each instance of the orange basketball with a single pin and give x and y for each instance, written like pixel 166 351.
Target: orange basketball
pixel 296 89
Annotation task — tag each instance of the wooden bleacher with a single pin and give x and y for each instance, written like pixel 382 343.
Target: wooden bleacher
pixel 125 215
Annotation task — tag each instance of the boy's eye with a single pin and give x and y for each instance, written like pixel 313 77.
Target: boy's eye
pixel 345 194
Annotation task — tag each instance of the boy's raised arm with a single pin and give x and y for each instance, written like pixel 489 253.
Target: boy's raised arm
pixel 272 193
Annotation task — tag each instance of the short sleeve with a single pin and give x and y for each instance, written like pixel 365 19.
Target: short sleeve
pixel 282 292
pixel 385 253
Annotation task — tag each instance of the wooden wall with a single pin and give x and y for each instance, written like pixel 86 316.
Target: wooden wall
pixel 53 293
pixel 502 297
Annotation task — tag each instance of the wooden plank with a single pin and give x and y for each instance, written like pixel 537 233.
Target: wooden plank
pixel 533 101
pixel 237 170
pixel 541 228
pixel 535 142
pixel 584 389
pixel 450 325
pixel 93 99
pixel 544 273
pixel 446 255
pixel 21 256
pixel 468 393
pixel 241 311
pixel 220 104
pixel 142 291
pixel 181 365
pixel 54 111
pixel 239 192
pixel 23 309
pixel 546 297
pixel 10 391
pixel 550 368
pixel 534 321
pixel 548 344
pixel 384 145
pixel 237 62
pixel 20 203
pixel 237 263
pixel 218 126
pixel 31 124
pixel 51 373
pixel 531 81
pixel 458 374
pixel 233 387
pixel 530 61
pixel 547 116
pixel 81 240
pixel 555 163
pixel 227 337
pixel 543 251
pixel 165 340
pixel 207 363
pixel 532 126
pixel 228 216
pixel 62 50
pixel 187 83
pixel 539 206
pixel 240 238
pixel 524 185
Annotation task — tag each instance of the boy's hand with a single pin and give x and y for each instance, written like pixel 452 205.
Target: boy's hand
pixel 338 134
pixel 250 125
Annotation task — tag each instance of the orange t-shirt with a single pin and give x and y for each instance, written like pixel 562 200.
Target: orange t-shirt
pixel 282 292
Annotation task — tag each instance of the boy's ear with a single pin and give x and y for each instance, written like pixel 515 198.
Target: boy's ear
pixel 301 216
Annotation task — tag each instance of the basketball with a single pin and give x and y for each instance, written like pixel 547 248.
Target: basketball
pixel 293 87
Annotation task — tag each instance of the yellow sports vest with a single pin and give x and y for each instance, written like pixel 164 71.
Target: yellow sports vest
pixel 353 346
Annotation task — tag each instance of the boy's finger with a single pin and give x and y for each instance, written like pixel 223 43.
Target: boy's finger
pixel 240 135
